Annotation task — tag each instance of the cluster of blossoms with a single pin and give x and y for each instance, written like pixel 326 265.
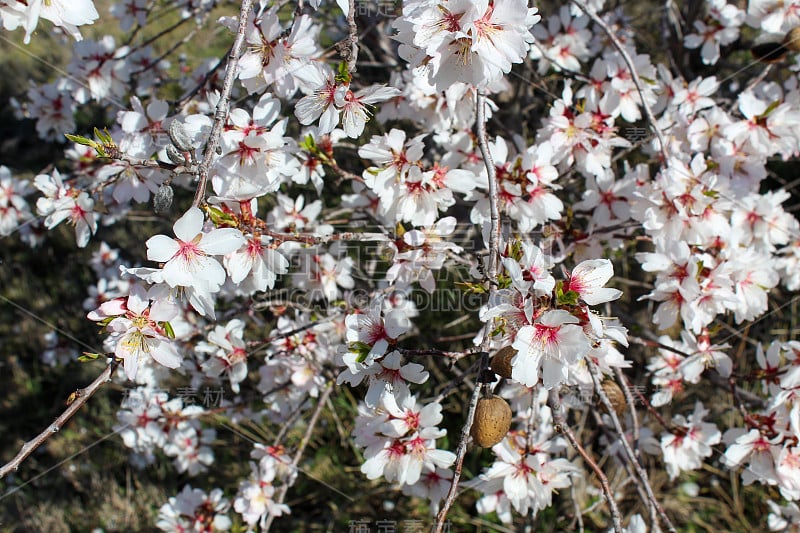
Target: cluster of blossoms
pixel 719 28
pixel 194 510
pixel 300 311
pixel 255 500
pixel 472 42
pixel 149 420
pixel 14 209
pixel 767 447
pixel 550 323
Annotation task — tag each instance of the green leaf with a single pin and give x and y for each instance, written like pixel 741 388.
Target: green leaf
pixel 770 109
pixel 568 298
pixel 80 139
pixel 503 281
pixel 168 329
pixel 361 349
pixel 343 76
pixel 220 217
pixel 309 145
pixel 88 356
pixel 104 136
pixel 499 331
pixel 472 288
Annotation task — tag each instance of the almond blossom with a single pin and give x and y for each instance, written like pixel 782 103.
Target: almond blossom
pixel 63 202
pixel 473 42
pixel 137 327
pixel 549 346
pixel 587 279
pixel 14 209
pixel 687 446
pixel 400 440
pixel 68 15
pixel 255 499
pixel 227 353
pixel 194 510
pixel 188 260
pixel 721 27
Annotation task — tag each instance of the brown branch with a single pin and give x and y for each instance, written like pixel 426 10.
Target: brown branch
pixel 308 238
pixel 197 88
pixel 433 351
pixel 154 38
pixel 561 425
pixel 494 252
pixel 455 382
pixel 627 447
pixel 221 113
pixel 352 37
pixel 183 40
pixel 78 399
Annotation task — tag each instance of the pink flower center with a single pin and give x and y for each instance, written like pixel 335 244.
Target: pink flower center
pixel 546 334
pixel 190 250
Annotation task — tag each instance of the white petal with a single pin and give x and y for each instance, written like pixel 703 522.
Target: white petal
pixel 221 241
pixel 189 225
pixel 161 248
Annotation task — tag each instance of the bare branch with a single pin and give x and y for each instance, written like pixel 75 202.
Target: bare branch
pixel 309 238
pixel 76 401
pixel 301 448
pixel 352 37
pixel 494 252
pixel 221 113
pixel 561 425
pixel 626 445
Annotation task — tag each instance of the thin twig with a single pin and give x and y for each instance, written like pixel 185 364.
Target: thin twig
pixel 197 88
pixel 308 238
pixel 632 69
pixel 455 382
pixel 154 38
pixel 301 448
pixel 494 242
pixel 77 400
pixel 352 37
pixel 433 351
pixel 561 425
pixel 627 447
pixel 631 401
pixel 221 113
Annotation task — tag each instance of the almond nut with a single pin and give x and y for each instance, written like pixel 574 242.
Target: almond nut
pixel 501 361
pixel 492 421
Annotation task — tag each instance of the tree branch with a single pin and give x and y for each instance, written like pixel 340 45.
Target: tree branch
pixel 561 425
pixel 494 243
pixel 76 401
pixel 627 447
pixel 301 448
pixel 221 113
pixel 352 37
